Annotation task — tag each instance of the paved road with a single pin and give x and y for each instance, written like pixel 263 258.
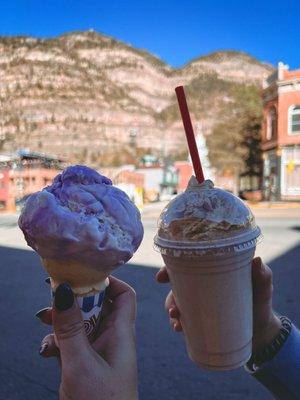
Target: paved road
pixel 164 370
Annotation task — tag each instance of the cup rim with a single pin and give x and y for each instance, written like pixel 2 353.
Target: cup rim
pixel 246 239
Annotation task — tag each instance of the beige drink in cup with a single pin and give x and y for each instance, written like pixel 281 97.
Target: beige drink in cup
pixel 207 238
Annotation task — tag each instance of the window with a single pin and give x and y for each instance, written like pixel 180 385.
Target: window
pixel 271 124
pixel 294 119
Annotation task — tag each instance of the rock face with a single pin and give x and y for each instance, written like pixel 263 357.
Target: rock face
pixel 85 95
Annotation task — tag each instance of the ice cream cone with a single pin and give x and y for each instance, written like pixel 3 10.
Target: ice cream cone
pixel 83 280
pixel 83 228
pixel 88 286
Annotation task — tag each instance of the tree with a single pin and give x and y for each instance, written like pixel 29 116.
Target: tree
pixel 234 145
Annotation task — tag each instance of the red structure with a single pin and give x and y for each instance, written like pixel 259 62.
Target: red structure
pixel 184 171
pixel 281 135
pixel 4 189
pixel 24 174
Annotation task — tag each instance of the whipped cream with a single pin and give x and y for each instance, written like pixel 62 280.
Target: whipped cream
pixel 82 217
pixel 204 212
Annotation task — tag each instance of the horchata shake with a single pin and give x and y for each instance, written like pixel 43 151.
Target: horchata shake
pixel 207 238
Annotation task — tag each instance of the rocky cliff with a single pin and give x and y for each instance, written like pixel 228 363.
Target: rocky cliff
pixel 89 98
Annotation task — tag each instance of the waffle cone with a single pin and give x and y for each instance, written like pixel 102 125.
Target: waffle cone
pixel 82 279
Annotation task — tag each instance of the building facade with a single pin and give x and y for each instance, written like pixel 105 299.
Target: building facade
pixel 184 171
pixel 22 174
pixel 281 135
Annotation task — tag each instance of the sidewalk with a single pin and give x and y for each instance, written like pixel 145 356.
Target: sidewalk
pixel 274 204
pixel 152 210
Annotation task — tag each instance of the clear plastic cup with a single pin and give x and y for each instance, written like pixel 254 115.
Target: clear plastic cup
pixel 211 281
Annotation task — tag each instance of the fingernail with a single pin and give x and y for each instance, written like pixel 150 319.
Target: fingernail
pixel 257 262
pixel 47 280
pixel 43 348
pixel 40 313
pixel 63 297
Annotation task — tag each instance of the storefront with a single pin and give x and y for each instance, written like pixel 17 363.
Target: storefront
pixel 282 174
pixel 290 173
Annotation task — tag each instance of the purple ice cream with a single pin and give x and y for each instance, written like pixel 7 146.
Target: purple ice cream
pixel 82 217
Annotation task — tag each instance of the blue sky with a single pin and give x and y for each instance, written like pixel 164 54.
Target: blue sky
pixel 176 31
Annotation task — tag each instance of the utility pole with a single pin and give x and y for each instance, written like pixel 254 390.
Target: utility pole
pixel 133 142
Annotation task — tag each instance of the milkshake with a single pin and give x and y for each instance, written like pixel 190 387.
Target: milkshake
pixel 207 238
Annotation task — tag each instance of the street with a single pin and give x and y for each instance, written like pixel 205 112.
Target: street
pixel 165 371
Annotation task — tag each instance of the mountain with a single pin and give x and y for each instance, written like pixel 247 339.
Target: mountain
pixel 87 97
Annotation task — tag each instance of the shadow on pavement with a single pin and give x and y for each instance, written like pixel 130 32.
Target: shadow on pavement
pixel 165 372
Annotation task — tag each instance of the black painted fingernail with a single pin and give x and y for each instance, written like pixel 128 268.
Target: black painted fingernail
pixel 40 313
pixel 47 280
pixel 63 297
pixel 43 348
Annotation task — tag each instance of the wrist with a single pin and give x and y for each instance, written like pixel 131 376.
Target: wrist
pixel 272 348
pixel 267 334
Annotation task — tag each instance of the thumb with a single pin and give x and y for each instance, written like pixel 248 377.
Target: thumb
pixel 68 326
pixel 262 282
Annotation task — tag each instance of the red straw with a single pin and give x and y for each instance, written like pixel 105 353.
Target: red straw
pixel 189 132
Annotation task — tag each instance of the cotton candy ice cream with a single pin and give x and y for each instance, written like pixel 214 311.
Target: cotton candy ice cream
pixel 204 213
pixel 82 227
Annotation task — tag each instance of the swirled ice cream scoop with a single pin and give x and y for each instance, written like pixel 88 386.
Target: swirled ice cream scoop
pixel 204 213
pixel 82 227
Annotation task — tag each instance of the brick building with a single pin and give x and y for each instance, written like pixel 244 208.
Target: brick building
pixel 24 173
pixel 281 135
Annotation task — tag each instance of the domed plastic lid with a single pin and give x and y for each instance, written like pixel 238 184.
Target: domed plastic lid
pixel 205 218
